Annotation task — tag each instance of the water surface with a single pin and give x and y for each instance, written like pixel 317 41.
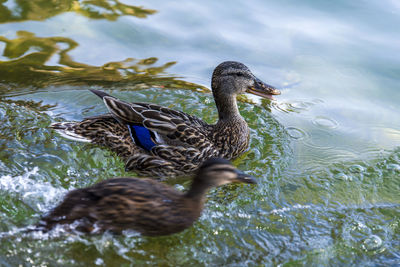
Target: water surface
pixel 326 153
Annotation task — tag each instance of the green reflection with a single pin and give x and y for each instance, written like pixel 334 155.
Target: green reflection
pixel 21 10
pixel 29 66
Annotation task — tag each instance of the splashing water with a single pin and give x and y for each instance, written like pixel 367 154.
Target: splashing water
pixel 38 195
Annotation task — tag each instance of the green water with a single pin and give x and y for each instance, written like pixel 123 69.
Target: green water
pixel 326 153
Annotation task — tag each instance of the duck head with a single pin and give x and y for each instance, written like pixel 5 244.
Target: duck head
pixel 234 78
pixel 216 171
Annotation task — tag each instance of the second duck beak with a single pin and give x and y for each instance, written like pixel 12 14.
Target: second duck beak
pixel 262 89
pixel 244 178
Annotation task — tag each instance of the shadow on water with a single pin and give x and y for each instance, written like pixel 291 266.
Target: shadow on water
pixel 29 65
pixel 22 10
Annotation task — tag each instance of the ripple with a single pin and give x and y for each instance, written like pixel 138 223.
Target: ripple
pixel 300 105
pixel 289 209
pixel 296 133
pixel 343 176
pixel 325 122
pixel 393 167
pixel 294 106
pixel 356 168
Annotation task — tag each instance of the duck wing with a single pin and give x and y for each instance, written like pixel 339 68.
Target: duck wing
pixel 142 206
pixel 175 125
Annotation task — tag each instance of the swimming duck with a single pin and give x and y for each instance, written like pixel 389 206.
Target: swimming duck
pixel 140 204
pixel 160 142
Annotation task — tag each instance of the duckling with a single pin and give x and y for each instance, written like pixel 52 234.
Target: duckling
pixel 157 141
pixel 143 205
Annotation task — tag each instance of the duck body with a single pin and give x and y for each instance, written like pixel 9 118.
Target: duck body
pixel 144 205
pixel 126 203
pixel 160 142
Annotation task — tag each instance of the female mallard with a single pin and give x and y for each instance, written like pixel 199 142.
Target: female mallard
pixel 144 205
pixel 158 141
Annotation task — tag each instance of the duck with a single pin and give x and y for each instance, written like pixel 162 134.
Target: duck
pixel 156 141
pixel 143 205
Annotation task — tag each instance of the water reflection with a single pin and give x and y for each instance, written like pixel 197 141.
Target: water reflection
pixel 21 10
pixel 43 61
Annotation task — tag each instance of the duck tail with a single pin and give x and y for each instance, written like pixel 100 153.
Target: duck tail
pixel 67 130
pixel 122 111
pixel 99 93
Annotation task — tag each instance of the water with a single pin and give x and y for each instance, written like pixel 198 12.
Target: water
pixel 326 152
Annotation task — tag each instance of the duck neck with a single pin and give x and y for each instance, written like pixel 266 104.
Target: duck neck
pixel 198 191
pixel 226 105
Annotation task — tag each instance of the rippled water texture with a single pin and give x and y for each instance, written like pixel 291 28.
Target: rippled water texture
pixel 326 153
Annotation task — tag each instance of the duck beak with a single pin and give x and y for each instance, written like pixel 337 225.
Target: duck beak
pixel 244 178
pixel 262 89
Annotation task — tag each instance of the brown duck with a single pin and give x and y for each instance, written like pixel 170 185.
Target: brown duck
pixel 160 142
pixel 144 205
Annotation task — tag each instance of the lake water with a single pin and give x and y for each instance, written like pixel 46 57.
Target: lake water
pixel 326 153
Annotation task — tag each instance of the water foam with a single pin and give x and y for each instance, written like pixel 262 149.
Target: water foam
pixel 37 194
pixel 286 209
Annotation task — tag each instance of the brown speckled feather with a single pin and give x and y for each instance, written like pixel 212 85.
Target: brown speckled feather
pixel 126 203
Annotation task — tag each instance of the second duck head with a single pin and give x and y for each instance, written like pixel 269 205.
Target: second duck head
pixel 216 172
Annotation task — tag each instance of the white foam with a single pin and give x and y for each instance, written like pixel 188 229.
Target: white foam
pixel 37 194
pixel 285 209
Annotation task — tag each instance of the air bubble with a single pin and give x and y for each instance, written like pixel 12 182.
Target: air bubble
pixel 99 261
pixel 373 242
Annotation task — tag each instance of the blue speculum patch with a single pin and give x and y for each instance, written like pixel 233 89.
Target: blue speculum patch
pixel 141 136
